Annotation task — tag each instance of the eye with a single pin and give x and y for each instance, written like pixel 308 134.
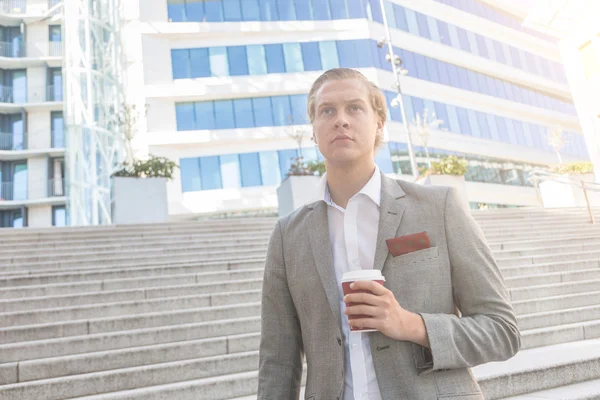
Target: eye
pixel 327 111
pixel 355 108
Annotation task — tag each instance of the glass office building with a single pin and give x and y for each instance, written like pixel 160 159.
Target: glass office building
pixel 226 85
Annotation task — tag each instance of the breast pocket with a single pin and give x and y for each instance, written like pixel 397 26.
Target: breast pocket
pixel 421 257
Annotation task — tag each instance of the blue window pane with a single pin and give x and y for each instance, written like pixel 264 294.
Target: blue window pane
pixel 463 120
pixel 441 114
pixel 472 43
pixel 232 10
pixel 463 79
pixel 473 84
pixel 454 39
pixel 286 10
pixel 423 26
pixel 433 29
pixel 520 133
pixel 453 122
pixel 180 60
pixel 195 12
pixel 411 20
pixel 190 175
pixel 493 127
pixel 510 129
pixel 213 10
pixel 394 113
pixel 383 159
pixel 357 8
pixel 269 168
pixel 293 57
pixel 418 106
pixel 453 73
pixel 410 114
pixel 311 56
pixel 244 116
pixel 304 11
pixel 363 48
pixel 299 102
pixel 408 61
pixel 338 9
pixel 516 59
pixel 321 10
pixel 421 67
pixel 376 11
pixel 347 54
pixel 200 63
pixel 230 171
pixel 491 85
pixel 531 65
pixel 528 136
pixel 481 46
pixel 257 60
pixel 462 38
pixel 502 129
pixel 184 113
pixel 224 114
pixel 282 112
pixel 275 60
pixel 268 10
pixel 432 70
pixel 176 11
pixel 205 115
pixel 389 14
pixel 238 60
pixel 482 84
pixel 250 10
pixel 443 71
pixel 286 158
pixel 210 173
pixel 400 16
pixel 499 51
pixel 263 111
pixel 219 66
pixel 484 128
pixel 250 168
pixel 444 33
pixel 329 55
pixel 375 59
pixel 475 131
pixel 20 182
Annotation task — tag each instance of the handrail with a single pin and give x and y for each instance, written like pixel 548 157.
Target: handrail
pixel 540 175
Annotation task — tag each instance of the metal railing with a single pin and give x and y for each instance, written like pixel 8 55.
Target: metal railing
pixel 54 93
pixel 56 188
pixel 55 49
pixel 6 94
pixel 12 141
pixel 13 191
pixel 10 49
pixel 13 6
pixel 538 175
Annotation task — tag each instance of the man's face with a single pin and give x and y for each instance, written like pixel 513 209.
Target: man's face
pixel 345 125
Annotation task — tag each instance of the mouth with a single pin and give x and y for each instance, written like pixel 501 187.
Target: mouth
pixel 342 138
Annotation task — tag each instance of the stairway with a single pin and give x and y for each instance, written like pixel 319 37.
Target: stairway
pixel 172 311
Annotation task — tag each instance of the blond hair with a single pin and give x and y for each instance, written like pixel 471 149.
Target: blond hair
pixel 375 95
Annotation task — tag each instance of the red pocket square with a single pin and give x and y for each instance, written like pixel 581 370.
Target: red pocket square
pixel 408 244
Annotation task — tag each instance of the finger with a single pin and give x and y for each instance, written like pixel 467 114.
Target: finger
pixel 372 286
pixel 367 298
pixel 362 310
pixel 364 323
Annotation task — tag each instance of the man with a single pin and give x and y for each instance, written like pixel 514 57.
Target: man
pixel 443 308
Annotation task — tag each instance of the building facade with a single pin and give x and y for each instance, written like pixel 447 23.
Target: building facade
pixel 32 137
pixel 225 83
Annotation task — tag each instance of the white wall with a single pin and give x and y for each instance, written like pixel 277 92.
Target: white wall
pixel 37 7
pixel 37 39
pixel 37 175
pixel 39 216
pixel 36 84
pixel 38 128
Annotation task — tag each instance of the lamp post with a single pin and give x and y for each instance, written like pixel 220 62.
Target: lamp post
pixel 423 126
pixel 396 62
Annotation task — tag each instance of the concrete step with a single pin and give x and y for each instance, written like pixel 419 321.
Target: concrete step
pixel 590 245
pixel 555 289
pixel 540 337
pixel 552 267
pixel 531 260
pixel 253 269
pixel 528 227
pixel 550 242
pixel 86 326
pixel 554 303
pixel 559 317
pixel 88 343
pixel 589 390
pixel 553 277
pixel 510 235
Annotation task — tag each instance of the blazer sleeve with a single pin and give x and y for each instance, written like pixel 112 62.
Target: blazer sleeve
pixel 281 348
pixel 487 330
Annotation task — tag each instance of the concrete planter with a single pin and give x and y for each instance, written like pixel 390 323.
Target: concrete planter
pixel 295 191
pixel 139 200
pixel 559 195
pixel 456 181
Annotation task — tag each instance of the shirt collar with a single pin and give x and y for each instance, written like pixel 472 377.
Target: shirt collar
pixel 372 189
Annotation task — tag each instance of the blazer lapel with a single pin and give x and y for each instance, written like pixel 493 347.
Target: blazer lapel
pixel 318 234
pixel 391 210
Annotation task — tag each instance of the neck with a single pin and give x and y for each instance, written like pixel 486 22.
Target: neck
pixel 344 181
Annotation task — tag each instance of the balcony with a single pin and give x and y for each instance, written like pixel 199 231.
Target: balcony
pixel 54 93
pixel 56 188
pixel 13 191
pixel 13 6
pixel 12 50
pixel 49 93
pixel 12 141
pixel 55 49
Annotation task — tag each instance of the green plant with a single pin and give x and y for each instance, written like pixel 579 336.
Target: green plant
pixel 450 165
pixel 574 168
pixel 154 167
pixel 302 168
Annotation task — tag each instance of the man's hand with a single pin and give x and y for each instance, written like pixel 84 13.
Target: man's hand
pixel 386 315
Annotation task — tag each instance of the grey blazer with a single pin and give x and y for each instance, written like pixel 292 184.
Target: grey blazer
pixel 455 285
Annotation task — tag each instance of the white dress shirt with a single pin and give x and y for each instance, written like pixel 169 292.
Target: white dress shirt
pixel 353 238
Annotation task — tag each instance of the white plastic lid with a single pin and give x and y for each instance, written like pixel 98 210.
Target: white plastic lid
pixel 363 275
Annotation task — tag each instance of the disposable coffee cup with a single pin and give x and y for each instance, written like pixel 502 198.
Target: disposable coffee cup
pixel 355 276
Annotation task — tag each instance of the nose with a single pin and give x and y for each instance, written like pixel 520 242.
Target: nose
pixel 341 121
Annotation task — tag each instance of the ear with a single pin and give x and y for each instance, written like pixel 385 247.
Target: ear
pixel 314 138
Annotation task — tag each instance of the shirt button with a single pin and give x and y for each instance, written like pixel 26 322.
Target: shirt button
pixel 339 341
pixel 354 345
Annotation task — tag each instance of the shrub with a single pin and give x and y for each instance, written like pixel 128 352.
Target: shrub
pixel 574 168
pixel 450 165
pixel 154 167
